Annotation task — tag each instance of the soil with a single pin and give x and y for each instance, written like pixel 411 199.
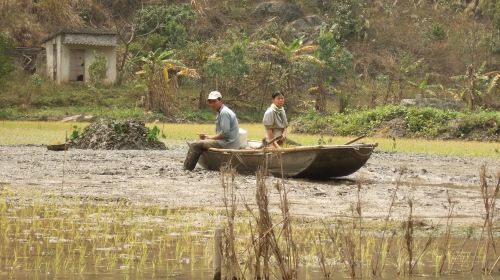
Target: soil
pixel 153 176
pixel 118 135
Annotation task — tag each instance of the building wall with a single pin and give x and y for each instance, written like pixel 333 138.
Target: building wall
pixel 49 53
pixel 63 60
pixel 110 54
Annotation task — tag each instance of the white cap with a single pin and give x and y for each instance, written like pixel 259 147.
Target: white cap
pixel 214 95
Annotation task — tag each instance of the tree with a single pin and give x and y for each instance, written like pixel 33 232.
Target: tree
pixel 288 56
pixel 170 24
pixel 228 67
pixel 196 55
pixel 6 46
pixel 333 60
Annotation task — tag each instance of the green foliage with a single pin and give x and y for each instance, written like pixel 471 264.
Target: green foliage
pixel 6 45
pixel 493 10
pixel 169 24
pixel 234 60
pixel 98 69
pixel 36 81
pixel 230 64
pixel 153 134
pixel 214 68
pixel 427 121
pixel 420 122
pixel 75 133
pixel 120 128
pixel 336 58
pixel 435 32
pixel 347 18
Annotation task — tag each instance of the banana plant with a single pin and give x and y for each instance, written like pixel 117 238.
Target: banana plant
pixel 160 70
pixel 288 55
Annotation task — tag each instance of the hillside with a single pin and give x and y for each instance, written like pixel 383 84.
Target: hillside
pixel 331 55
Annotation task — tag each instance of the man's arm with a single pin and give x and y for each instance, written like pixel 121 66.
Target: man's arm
pixel 270 136
pixel 224 126
pixel 204 136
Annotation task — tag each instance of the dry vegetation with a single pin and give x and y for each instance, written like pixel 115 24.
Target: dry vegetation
pixel 358 248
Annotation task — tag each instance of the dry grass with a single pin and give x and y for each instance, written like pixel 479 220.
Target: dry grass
pixel 401 248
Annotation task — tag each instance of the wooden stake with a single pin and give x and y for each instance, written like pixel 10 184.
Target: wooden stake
pixel 217 254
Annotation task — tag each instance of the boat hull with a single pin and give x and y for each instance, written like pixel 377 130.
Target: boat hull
pixel 315 162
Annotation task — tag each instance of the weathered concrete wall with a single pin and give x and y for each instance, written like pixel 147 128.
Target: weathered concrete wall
pixel 63 59
pixel 64 64
pixel 52 62
pixel 110 54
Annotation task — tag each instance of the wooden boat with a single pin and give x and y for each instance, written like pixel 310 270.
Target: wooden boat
pixel 58 147
pixel 315 162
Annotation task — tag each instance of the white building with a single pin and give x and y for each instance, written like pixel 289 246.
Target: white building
pixel 70 52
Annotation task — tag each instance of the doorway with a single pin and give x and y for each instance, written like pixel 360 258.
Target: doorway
pixel 77 65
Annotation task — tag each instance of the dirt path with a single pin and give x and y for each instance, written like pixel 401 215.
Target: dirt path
pixel 157 177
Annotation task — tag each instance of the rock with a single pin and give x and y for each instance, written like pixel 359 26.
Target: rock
pixel 319 192
pixel 79 118
pixel 433 102
pixel 393 128
pixel 307 23
pixel 286 11
pixel 306 27
pixel 74 118
pixel 88 118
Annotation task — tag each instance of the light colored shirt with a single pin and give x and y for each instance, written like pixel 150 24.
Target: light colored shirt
pixel 275 119
pixel 227 125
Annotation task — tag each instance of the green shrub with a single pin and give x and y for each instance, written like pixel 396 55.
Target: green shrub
pixel 347 18
pixel 98 69
pixel 6 45
pixel 420 122
pixel 170 24
pixel 436 32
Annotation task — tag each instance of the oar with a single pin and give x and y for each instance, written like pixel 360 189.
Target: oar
pixel 355 140
pixel 289 141
pixel 274 140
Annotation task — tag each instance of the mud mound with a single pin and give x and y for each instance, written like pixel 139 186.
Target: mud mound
pixel 392 128
pixel 118 135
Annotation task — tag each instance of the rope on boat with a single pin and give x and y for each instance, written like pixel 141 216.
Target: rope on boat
pixel 356 150
pixel 238 157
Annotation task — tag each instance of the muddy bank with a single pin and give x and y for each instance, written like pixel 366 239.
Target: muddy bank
pixel 157 177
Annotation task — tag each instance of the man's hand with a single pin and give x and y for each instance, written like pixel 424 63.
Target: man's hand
pixel 203 136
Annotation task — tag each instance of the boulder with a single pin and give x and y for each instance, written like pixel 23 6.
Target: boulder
pixel 79 118
pixel 433 102
pixel 75 118
pixel 306 27
pixel 286 11
pixel 392 128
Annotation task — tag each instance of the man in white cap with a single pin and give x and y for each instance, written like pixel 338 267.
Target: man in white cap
pixel 226 132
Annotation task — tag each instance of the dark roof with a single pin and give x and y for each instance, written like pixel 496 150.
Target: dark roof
pixel 80 30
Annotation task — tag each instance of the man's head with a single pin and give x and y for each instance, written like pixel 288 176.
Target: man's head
pixel 214 100
pixel 278 99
